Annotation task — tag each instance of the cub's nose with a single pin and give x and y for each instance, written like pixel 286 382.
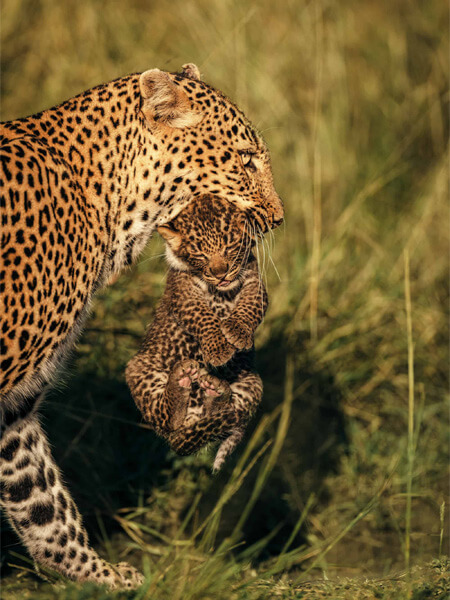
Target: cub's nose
pixel 218 266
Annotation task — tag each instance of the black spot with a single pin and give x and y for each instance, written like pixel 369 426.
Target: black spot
pixel 84 557
pixel 58 557
pixel 41 514
pixel 24 462
pixel 51 477
pixel 20 490
pixel 41 482
pixel 24 336
pixel 63 540
pixel 10 449
pixel 62 500
pixel 4 366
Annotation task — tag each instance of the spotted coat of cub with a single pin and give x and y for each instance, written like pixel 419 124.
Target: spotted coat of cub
pixel 194 378
pixel 83 186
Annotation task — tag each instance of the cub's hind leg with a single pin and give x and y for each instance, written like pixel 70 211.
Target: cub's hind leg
pixel 161 394
pixel 43 513
pixel 246 395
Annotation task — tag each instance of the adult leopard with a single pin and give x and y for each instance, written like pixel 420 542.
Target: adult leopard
pixel 83 185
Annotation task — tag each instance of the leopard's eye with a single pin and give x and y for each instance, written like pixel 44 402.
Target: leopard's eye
pixel 247 160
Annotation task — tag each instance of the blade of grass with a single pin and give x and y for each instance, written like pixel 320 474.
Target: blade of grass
pixel 410 451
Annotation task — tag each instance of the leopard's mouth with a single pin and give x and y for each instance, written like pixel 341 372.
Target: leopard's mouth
pixel 224 285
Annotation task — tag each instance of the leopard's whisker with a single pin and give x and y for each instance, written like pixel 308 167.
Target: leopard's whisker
pixel 260 287
pixel 270 250
pixel 243 240
pixel 152 257
pixel 263 270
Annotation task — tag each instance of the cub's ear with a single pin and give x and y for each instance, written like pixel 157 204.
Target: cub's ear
pixel 166 102
pixel 192 71
pixel 170 235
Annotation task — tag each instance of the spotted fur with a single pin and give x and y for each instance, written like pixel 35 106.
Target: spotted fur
pixel 194 378
pixel 83 186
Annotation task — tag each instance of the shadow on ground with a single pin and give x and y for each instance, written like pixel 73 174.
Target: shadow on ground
pixel 110 460
pixel 312 449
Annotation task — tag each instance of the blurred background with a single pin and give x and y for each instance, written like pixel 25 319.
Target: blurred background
pixel 352 99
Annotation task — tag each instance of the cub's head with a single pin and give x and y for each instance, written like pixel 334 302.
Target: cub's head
pixel 210 239
pixel 204 145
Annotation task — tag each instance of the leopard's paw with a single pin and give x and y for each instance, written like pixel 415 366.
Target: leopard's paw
pixel 127 577
pixel 186 372
pixel 217 351
pixel 214 387
pixel 237 333
pixel 120 576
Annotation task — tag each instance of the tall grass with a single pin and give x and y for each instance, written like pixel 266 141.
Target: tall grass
pixel 344 471
pixel 410 411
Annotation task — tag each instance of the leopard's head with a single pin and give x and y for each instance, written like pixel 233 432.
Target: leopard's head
pixel 205 145
pixel 212 240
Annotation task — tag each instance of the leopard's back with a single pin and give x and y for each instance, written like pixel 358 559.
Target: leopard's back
pixel 52 249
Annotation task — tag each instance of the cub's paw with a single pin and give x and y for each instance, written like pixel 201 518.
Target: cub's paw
pixel 185 373
pixel 237 333
pixel 217 351
pixel 214 387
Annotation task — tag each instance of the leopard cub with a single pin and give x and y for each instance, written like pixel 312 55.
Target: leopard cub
pixel 194 378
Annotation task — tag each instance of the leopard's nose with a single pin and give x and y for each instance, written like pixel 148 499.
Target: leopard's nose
pixel 218 266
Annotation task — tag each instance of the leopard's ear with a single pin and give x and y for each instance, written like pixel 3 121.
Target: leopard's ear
pixel 192 71
pixel 165 102
pixel 170 235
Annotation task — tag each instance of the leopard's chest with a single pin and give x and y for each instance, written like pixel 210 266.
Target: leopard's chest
pixel 222 306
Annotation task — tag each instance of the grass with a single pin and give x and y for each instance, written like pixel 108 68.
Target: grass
pixel 341 488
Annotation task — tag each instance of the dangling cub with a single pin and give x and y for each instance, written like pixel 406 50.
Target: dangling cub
pixel 194 378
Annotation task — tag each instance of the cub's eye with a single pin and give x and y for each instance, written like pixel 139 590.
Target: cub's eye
pixel 247 160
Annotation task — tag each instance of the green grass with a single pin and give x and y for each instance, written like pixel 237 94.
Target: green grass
pixel 344 473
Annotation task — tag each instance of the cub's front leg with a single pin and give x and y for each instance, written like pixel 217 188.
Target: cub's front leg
pixel 196 317
pixel 239 328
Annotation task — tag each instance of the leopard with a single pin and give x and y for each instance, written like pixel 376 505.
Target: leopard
pixel 83 187
pixel 194 377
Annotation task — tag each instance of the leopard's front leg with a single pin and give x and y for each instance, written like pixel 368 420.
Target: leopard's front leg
pixel 42 511
pixel 187 300
pixel 239 328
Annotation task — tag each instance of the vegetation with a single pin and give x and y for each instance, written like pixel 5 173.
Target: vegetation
pixel 344 473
